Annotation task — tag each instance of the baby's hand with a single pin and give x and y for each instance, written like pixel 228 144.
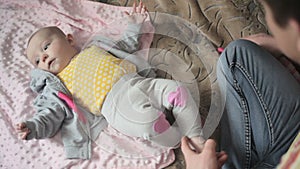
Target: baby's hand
pixel 22 130
pixel 138 13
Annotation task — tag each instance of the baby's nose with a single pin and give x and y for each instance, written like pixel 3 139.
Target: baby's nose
pixel 44 57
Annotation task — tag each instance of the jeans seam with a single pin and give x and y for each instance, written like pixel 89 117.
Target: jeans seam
pixel 263 104
pixel 246 111
pixel 247 123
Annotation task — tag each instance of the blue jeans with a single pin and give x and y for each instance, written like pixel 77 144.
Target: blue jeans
pixel 262 106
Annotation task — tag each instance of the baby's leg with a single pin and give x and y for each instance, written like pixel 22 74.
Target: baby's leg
pixel 176 98
pixel 187 117
pixel 197 143
pixel 143 101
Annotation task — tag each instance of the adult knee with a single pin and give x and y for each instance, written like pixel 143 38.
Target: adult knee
pixel 238 51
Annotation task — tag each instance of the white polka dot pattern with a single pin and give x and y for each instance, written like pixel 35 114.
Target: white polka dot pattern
pixel 91 75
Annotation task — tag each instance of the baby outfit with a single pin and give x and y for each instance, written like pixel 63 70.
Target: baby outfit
pixel 136 105
pixel 54 114
pixel 91 74
pixel 139 107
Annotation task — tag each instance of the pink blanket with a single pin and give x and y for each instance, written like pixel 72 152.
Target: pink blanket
pixel 81 18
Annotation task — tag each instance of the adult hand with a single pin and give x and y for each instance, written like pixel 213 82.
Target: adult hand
pixel 266 41
pixel 207 159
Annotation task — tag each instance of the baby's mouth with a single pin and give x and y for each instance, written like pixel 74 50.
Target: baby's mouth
pixel 50 63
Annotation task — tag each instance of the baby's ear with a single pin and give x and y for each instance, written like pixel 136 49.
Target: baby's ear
pixel 70 39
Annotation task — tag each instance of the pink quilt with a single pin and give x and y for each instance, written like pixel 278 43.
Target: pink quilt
pixel 81 18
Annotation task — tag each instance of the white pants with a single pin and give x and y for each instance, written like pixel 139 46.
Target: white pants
pixel 138 107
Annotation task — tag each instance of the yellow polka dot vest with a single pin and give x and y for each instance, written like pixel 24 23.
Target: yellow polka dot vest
pixel 91 75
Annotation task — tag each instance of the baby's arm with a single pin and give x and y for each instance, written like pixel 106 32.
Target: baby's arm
pixel 130 38
pixel 129 42
pixel 138 13
pixel 45 123
pixel 22 130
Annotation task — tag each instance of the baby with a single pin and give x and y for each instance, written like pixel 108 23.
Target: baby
pixel 79 92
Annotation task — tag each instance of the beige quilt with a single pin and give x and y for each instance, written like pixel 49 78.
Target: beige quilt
pixel 218 21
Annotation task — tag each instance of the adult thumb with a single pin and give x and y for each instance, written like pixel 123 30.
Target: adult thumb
pixel 185 148
pixel 210 146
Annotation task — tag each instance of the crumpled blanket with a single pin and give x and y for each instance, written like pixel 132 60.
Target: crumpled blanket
pixel 81 18
pixel 220 21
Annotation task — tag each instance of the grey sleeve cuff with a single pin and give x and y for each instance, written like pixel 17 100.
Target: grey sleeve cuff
pixel 31 126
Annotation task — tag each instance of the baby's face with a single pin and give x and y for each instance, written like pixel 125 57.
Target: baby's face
pixel 51 51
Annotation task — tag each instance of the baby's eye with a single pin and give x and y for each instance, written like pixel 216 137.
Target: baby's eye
pixel 46 47
pixel 37 61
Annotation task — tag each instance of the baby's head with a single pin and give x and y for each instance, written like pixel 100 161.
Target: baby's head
pixel 50 49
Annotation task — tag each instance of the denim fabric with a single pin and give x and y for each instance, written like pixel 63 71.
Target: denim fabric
pixel 262 106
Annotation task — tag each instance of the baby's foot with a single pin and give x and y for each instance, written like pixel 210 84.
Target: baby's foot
pixel 197 143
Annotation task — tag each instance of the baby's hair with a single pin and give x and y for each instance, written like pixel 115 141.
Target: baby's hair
pixel 52 29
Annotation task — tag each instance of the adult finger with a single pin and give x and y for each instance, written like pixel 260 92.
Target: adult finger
pixel 219 154
pixel 210 146
pixel 185 148
pixel 222 158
